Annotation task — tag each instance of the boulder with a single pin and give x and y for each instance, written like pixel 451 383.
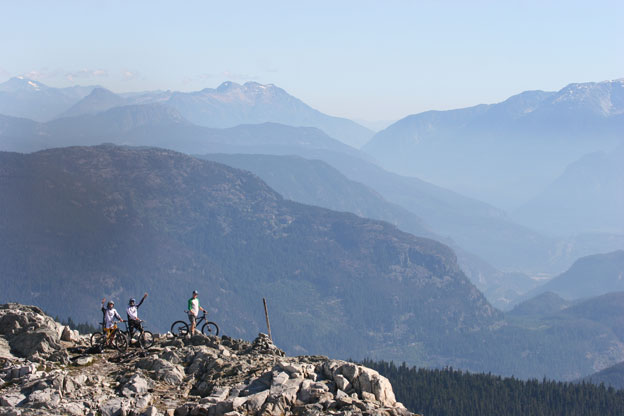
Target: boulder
pixel 115 407
pixel 20 371
pixel 69 335
pixel 74 409
pixel 311 391
pixel 11 399
pixel 47 398
pixel 143 401
pixel 135 385
pixel 5 349
pixel 255 401
pixel 162 370
pixel 30 333
pixel 151 411
pixel 370 381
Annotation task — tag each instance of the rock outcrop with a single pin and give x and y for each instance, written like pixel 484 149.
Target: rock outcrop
pixel 200 375
pixel 30 333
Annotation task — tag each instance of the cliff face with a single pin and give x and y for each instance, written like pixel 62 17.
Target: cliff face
pixel 199 375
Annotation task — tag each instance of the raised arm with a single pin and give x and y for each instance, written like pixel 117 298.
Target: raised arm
pixel 142 299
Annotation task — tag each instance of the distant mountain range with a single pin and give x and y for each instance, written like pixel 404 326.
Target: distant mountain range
pixel 505 153
pixel 26 98
pixel 505 252
pixel 589 276
pixel 228 105
pixel 589 195
pixel 159 125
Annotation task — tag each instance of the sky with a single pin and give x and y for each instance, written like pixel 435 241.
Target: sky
pixel 363 60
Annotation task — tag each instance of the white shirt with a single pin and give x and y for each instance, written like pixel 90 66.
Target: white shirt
pixel 133 312
pixel 195 306
pixel 109 317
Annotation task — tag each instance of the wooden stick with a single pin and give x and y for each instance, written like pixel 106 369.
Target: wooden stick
pixel 266 315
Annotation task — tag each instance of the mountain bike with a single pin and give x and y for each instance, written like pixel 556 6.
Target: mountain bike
pixel 181 328
pixel 140 336
pixel 116 339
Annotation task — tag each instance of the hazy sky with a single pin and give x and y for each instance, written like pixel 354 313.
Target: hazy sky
pixel 365 60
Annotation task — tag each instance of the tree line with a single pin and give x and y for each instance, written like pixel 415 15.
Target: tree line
pixel 454 392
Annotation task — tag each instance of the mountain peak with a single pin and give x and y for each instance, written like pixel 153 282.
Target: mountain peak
pixel 100 99
pixel 21 83
pixel 228 86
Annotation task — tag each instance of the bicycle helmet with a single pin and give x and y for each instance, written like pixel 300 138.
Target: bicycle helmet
pixel 195 292
pixel 132 301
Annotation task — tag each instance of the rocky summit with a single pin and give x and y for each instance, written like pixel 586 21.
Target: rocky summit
pixel 45 368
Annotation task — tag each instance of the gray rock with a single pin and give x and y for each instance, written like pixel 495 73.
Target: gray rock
pixel 74 409
pixel 255 401
pixel 311 391
pixel 219 393
pixel 341 395
pixel 279 379
pixel 30 333
pixel 369 381
pixel 349 370
pixel 151 411
pixel 5 349
pixel 162 370
pixel 85 360
pixel 369 397
pixel 47 398
pixel 67 335
pixel 21 371
pixel 8 411
pixel 143 401
pixel 286 389
pixel 342 383
pixel 238 402
pixel 172 355
pixel 11 399
pixel 135 385
pixel 201 339
pixel 68 385
pixel 201 359
pixel 115 407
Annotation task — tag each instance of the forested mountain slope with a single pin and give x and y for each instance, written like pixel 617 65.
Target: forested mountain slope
pixel 79 224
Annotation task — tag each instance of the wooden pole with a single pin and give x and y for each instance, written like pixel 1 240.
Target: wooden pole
pixel 266 315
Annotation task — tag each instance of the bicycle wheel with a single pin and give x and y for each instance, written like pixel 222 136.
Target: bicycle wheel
pixel 179 329
pixel 210 328
pixel 135 340
pixel 120 341
pixel 146 339
pixel 97 339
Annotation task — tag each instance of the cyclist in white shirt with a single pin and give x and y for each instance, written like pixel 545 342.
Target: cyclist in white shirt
pixel 109 314
pixel 133 315
pixel 193 310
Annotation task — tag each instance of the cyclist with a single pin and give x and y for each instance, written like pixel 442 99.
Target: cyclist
pixel 132 312
pixel 110 313
pixel 193 310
